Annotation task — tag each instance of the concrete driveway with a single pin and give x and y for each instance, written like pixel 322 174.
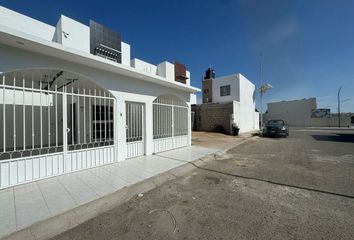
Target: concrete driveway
pixel 301 187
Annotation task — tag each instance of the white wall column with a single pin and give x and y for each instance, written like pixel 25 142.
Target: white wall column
pixel 120 129
pixel 149 141
pixel 189 123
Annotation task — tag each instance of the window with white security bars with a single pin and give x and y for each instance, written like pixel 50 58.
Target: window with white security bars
pixel 170 117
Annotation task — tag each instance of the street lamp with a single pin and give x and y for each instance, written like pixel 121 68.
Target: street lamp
pixel 345 100
pixel 263 89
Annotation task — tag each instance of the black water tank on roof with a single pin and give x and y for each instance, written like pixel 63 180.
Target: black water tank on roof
pixel 209 74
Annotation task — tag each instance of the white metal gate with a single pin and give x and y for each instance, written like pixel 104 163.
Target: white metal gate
pixel 52 122
pixel 170 123
pixel 135 129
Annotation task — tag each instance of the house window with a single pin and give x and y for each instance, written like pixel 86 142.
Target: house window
pixel 102 122
pixel 225 90
pixel 206 91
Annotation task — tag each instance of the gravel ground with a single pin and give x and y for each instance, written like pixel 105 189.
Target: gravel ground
pixel 268 188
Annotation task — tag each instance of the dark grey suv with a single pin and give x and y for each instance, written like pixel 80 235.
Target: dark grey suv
pixel 276 127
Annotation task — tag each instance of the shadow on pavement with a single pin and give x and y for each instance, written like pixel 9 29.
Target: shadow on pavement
pixel 340 137
pixel 275 137
pixel 268 181
pixel 334 129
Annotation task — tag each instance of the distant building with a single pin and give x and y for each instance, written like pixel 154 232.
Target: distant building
pixel 304 113
pixel 228 102
pixel 294 113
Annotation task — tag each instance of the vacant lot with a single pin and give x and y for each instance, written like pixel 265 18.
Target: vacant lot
pixel 301 187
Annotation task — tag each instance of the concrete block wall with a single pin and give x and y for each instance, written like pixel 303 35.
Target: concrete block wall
pixel 331 122
pixel 208 116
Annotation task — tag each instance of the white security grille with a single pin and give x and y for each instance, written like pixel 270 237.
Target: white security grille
pixel 170 123
pixel 52 122
pixel 180 123
pixel 90 118
pixel 163 124
pixel 31 112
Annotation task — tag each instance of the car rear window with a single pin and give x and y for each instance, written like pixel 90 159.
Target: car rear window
pixel 275 122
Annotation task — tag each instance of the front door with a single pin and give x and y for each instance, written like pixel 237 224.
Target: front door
pixel 135 129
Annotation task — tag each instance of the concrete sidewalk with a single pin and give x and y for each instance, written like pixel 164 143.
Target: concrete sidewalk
pixel 47 207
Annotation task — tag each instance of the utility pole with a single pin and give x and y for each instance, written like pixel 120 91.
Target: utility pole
pixel 339 106
pixel 261 92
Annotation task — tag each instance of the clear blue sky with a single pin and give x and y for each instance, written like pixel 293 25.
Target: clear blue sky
pixel 308 45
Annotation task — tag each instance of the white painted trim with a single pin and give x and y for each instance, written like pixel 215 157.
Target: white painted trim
pixel 32 43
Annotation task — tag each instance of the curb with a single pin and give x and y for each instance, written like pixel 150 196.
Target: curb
pixel 58 224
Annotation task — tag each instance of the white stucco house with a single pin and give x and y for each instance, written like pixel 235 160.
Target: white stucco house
pixel 71 98
pixel 236 91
